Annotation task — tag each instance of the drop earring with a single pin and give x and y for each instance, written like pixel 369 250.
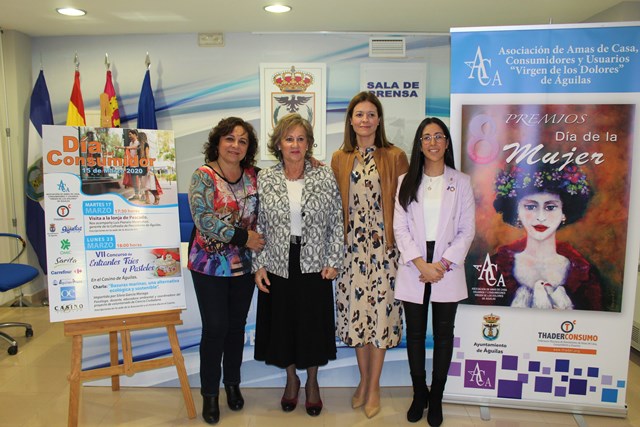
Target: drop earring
pixel 518 223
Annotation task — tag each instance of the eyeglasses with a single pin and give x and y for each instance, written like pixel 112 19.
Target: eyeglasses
pixel 438 138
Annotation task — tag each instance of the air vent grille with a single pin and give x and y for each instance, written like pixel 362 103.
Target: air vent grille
pixel 387 47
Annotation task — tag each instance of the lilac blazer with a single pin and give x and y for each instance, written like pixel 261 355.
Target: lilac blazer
pixel 456 229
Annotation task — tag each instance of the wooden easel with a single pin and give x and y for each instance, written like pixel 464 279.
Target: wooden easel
pixel 123 324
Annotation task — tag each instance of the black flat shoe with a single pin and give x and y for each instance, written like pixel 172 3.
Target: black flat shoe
pixel 210 409
pixel 234 397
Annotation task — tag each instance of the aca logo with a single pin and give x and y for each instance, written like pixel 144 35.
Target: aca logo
pixel 480 68
pixel 67 293
pixel 480 374
pixel 63 188
pixel 488 273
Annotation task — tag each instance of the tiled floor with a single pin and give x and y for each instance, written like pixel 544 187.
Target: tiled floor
pixel 34 392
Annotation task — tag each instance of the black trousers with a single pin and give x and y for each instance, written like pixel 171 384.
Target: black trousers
pixel 224 303
pixel 443 322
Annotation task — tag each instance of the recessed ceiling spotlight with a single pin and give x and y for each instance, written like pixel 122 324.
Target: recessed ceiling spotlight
pixel 277 8
pixel 70 11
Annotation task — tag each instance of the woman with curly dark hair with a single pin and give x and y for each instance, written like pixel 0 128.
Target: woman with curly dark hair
pixel 223 198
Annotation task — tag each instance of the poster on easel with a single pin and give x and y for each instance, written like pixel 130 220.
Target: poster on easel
pixel 546 118
pixel 111 215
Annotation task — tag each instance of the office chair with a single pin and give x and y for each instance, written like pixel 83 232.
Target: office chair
pixel 14 275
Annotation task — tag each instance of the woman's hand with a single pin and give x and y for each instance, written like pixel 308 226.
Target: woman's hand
pixel 429 272
pixel 255 242
pixel 262 281
pixel 329 273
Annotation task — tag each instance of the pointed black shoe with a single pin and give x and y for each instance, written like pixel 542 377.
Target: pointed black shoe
pixel 313 409
pixel 234 397
pixel 210 409
pixel 289 405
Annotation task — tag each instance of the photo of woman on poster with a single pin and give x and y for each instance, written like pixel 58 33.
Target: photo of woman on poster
pixel 538 270
pixel 552 189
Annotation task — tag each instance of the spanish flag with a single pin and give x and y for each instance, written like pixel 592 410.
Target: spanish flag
pixel 75 113
pixel 109 113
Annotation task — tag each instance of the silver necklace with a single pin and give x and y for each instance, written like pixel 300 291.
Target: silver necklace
pixel 300 175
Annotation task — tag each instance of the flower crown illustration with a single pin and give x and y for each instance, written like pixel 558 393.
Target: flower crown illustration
pixel 515 180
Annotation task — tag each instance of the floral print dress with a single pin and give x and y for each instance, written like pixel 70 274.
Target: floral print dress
pixel 367 311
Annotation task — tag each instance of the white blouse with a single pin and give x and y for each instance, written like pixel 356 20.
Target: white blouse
pixel 432 200
pixel 294 188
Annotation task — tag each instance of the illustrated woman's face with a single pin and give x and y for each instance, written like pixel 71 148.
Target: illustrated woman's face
pixel 294 145
pixel 540 214
pixel 233 148
pixel 365 119
pixel 434 143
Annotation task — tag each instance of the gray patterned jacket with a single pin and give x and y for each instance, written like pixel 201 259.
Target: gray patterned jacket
pixel 322 224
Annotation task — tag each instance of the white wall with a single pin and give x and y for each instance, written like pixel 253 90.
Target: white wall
pixel 15 90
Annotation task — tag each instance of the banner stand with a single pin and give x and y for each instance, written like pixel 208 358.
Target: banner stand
pixel 123 324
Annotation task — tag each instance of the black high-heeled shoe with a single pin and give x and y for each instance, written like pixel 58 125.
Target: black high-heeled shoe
pixel 234 397
pixel 289 405
pixel 210 409
pixel 314 408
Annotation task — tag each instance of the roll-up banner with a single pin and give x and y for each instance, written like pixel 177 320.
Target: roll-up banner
pixel 546 118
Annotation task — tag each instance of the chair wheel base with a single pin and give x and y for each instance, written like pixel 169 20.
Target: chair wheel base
pixel 13 350
pixel 28 333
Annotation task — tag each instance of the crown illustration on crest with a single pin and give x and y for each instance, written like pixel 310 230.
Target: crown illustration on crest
pixel 491 318
pixel 293 80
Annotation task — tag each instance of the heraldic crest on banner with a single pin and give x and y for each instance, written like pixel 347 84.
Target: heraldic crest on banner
pixel 293 88
pixel 293 96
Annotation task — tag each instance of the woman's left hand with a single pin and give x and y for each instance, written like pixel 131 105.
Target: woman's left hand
pixel 329 273
pixel 262 280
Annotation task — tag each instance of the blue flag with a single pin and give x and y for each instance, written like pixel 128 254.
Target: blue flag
pixel 147 106
pixel 40 114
